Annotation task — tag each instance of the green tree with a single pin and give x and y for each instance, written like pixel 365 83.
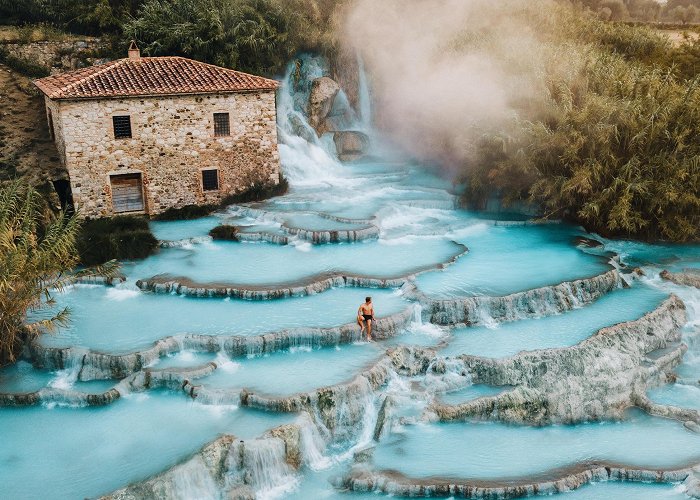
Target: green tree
pixel 258 36
pixel 37 253
pixel 684 15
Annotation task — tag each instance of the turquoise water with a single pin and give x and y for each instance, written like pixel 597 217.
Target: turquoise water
pixel 561 330
pixel 86 451
pixel 504 260
pixel 284 373
pixel 179 230
pixel 22 377
pixel 492 450
pixel 683 395
pixel 79 452
pixel 103 318
pixel 269 264
pixel 417 230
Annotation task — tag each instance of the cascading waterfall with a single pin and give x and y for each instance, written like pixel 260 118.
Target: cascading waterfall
pixel 445 374
pixel 304 158
pixel 351 415
pixel 312 445
pixel 193 480
pixel 421 327
pixel 364 98
pixel 261 465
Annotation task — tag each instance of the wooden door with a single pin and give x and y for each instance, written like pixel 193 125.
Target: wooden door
pixel 127 193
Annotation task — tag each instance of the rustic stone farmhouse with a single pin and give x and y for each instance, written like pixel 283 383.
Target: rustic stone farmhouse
pixel 144 134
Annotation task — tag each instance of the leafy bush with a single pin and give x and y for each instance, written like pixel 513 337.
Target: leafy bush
pixel 120 238
pixel 224 232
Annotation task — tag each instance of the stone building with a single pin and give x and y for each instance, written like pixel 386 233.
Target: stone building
pixel 144 134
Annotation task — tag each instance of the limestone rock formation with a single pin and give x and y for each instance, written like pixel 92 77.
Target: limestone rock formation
pixel 692 483
pixel 542 301
pixel 351 145
pixel 689 277
pixel 362 478
pixel 201 476
pixel 596 379
pixel 323 93
pixel 225 468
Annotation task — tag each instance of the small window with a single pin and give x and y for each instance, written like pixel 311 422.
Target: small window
pixel 221 124
pixel 210 180
pixel 122 127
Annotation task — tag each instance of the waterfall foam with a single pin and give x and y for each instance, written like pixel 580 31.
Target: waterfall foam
pixel 261 465
pixel 304 159
pixel 312 445
pixel 364 97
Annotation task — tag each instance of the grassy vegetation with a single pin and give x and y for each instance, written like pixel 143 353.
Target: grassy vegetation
pixel 615 145
pixel 120 238
pixel 188 212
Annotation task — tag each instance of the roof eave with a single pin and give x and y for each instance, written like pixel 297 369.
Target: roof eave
pixel 167 94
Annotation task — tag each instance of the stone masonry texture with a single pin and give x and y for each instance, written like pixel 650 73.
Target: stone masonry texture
pixel 172 142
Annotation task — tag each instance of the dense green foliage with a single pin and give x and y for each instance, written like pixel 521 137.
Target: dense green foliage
pixel 92 17
pixel 251 35
pixel 37 251
pixel 120 238
pixel 615 144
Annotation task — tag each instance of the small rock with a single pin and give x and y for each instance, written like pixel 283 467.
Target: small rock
pixel 692 426
pixel 351 145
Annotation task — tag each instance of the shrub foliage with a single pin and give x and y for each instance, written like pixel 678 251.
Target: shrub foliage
pixel 615 146
pixel 120 238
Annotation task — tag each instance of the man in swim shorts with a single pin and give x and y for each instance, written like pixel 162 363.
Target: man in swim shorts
pixel 365 317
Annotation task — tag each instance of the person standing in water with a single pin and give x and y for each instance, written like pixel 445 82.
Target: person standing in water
pixel 365 316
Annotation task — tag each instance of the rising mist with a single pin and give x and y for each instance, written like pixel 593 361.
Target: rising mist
pixel 445 72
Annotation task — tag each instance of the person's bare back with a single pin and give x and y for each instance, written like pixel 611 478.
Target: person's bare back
pixel 365 317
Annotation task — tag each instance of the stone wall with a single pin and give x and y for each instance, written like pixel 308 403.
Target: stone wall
pixel 172 142
pixel 58 56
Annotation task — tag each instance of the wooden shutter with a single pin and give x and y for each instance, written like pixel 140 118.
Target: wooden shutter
pixel 127 194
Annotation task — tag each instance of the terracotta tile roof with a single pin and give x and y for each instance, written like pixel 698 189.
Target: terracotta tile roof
pixel 149 76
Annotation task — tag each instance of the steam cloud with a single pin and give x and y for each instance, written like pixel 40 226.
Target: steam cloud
pixel 444 72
